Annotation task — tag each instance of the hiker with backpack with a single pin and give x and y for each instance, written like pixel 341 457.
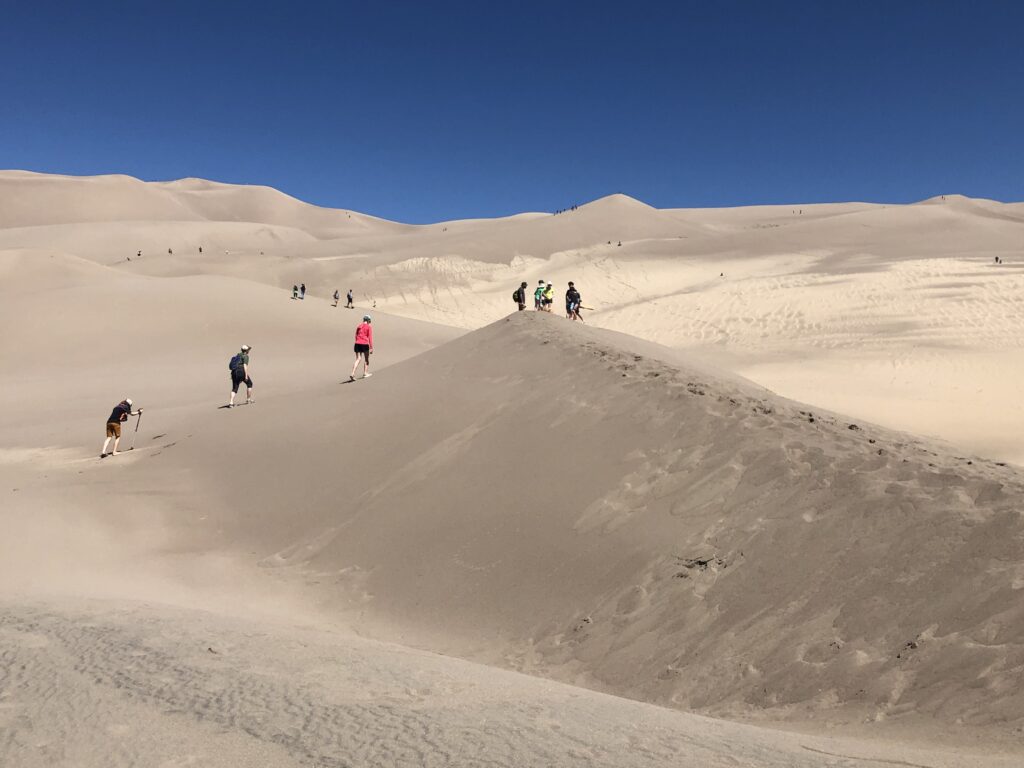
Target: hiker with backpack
pixel 337 297
pixel 519 296
pixel 295 292
pixel 363 347
pixel 239 367
pixel 302 291
pixel 349 305
pixel 118 416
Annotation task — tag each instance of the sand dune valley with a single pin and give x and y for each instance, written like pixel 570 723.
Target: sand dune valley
pixel 763 509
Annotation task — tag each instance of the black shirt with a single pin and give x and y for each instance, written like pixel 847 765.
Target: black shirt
pixel 120 413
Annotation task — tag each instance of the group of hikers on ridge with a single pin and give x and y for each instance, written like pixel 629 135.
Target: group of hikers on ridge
pixel 544 298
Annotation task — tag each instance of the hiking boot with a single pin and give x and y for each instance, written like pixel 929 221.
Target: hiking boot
pixel 367 375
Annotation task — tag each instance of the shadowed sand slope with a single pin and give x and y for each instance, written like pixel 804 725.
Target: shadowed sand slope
pixel 574 502
pixel 135 684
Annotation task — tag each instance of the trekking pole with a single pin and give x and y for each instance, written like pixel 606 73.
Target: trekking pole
pixel 136 432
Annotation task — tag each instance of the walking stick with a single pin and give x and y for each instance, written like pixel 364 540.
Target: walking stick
pixel 136 432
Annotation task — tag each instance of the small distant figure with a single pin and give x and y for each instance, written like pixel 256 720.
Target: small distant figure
pixel 620 244
pixel 363 347
pixel 302 291
pixel 374 303
pixel 538 296
pixel 169 250
pixel 138 255
pixel 549 297
pixel 200 249
pixel 119 415
pixel 239 367
pixel 519 296
pixel 295 292
pixel 348 296
pixel 572 303
pixel 337 297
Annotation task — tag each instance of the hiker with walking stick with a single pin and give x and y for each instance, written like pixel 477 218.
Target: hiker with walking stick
pixel 119 415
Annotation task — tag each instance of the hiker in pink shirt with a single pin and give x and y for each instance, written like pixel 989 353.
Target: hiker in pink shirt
pixel 363 347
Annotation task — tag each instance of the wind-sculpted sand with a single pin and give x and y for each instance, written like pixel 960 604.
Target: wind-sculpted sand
pixel 127 685
pixel 640 529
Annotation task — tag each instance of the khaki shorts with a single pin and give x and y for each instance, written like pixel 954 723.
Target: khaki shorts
pixel 113 429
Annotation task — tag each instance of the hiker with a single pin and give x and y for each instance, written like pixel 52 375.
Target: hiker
pixel 337 297
pixel 538 297
pixel 572 303
pixel 200 249
pixel 348 296
pixel 239 366
pixel 295 292
pixel 302 291
pixel 363 347
pixel 549 297
pixel 120 414
pixel 519 297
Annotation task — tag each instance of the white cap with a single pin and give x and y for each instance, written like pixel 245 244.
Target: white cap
pixel 246 347
pixel 128 400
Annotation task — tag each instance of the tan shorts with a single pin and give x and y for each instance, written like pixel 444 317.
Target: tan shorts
pixel 113 429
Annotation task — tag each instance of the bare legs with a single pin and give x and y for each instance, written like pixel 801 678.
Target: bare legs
pixel 365 357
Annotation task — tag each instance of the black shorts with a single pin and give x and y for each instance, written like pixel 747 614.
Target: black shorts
pixel 237 379
pixel 363 349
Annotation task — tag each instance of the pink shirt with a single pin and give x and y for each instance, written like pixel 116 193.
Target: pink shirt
pixel 364 334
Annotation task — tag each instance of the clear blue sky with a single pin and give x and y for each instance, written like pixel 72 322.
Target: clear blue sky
pixel 424 111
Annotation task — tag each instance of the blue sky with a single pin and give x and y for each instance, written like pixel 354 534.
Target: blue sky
pixel 426 111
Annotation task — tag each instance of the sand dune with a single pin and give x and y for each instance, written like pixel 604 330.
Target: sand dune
pixel 586 510
pixel 571 502
pixel 895 313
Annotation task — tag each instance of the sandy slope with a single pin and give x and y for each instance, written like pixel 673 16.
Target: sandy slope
pixel 892 313
pixel 561 500
pixel 89 335
pixel 128 684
